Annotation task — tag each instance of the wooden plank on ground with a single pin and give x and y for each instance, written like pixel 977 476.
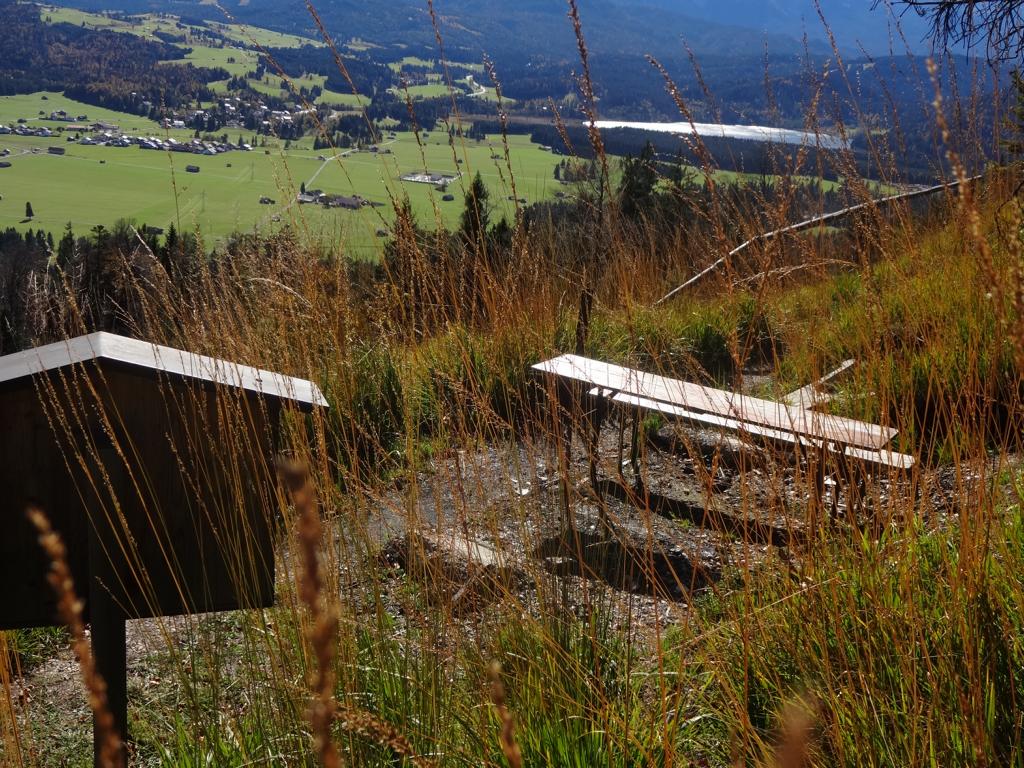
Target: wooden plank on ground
pixel 698 398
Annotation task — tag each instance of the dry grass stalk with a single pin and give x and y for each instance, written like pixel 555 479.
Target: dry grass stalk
pixel 797 732
pixel 382 733
pixel 507 735
pixel 10 672
pixel 70 610
pixel 322 633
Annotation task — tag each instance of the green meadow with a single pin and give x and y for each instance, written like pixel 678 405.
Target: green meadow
pixel 237 62
pixel 97 185
pixel 92 185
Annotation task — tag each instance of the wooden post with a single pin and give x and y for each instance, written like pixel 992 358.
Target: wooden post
pixel 106 616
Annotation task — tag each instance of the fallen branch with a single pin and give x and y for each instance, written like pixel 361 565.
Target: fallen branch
pixel 817 220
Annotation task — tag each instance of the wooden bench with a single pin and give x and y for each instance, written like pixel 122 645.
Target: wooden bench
pixel 847 442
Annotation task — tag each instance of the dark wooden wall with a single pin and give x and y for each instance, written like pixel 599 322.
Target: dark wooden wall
pixel 190 466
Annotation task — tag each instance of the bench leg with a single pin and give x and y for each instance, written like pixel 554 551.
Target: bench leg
pixel 634 452
pixel 563 451
pixel 837 487
pixel 598 409
pixel 622 446
pixel 596 420
pixel 816 472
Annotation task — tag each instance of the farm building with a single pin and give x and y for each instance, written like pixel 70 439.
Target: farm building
pixel 437 179
pixel 341 201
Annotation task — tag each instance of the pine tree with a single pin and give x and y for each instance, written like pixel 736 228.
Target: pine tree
pixel 639 178
pixel 476 216
pixel 29 213
pixel 66 249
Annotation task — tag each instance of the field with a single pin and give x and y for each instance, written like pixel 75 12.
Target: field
pixel 428 91
pixel 224 197
pixel 237 62
pixel 153 188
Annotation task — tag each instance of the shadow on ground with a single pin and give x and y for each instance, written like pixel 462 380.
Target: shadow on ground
pixel 636 567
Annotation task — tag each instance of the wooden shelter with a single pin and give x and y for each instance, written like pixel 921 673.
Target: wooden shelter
pixel 155 466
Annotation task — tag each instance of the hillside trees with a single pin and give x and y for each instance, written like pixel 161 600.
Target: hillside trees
pixel 100 67
pixel 368 77
pixel 21 257
pixel 95 282
pixel 1014 139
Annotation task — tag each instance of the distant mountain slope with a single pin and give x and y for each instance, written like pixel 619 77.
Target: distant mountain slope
pixel 855 23
pixel 497 27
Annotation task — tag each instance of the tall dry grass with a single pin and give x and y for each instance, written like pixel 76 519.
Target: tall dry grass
pixel 893 643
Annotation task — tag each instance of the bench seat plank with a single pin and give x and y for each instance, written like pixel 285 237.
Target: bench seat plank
pixel 881 458
pixel 697 398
